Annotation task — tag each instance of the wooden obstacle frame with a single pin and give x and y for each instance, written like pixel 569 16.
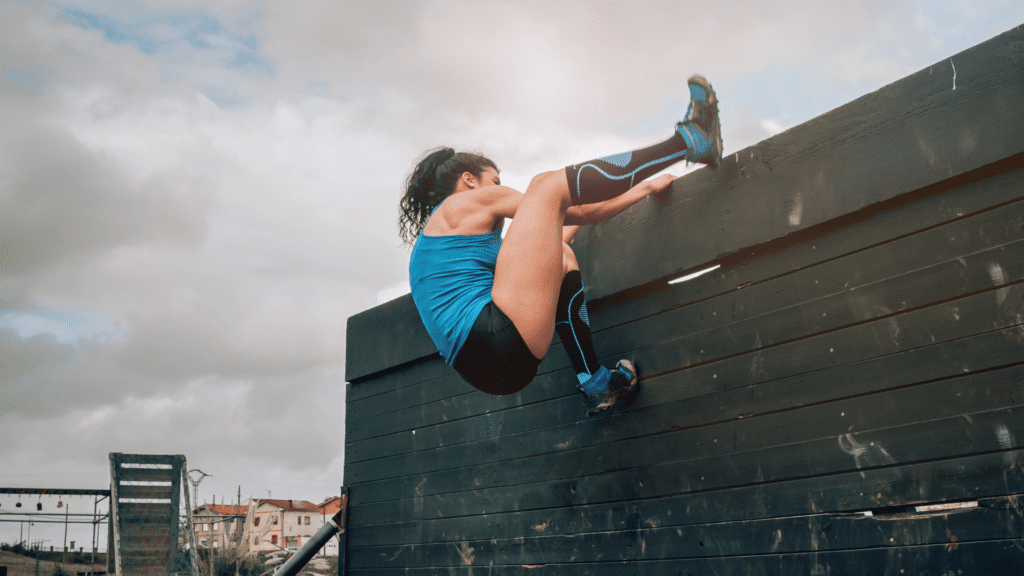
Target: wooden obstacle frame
pixel 844 395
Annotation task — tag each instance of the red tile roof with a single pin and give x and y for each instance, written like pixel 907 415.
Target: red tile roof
pixel 226 509
pixel 290 504
pixel 331 505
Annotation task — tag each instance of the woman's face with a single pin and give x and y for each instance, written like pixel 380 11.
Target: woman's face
pixel 489 178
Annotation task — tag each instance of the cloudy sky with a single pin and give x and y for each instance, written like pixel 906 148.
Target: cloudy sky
pixel 196 195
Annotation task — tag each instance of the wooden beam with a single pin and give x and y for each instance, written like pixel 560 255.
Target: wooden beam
pixel 773 536
pixel 984 557
pixel 911 134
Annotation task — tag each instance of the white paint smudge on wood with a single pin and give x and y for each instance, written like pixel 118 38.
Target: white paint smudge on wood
pixel 995 272
pixel 798 211
pixel 865 455
pixel 466 552
pixel 1006 441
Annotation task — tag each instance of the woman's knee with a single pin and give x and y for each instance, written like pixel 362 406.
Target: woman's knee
pixel 552 183
pixel 569 262
pixel 544 179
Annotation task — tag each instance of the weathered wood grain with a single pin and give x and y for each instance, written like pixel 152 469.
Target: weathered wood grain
pixel 953 480
pixel 750 448
pixel 793 375
pixel 750 453
pixel 644 543
pixel 986 557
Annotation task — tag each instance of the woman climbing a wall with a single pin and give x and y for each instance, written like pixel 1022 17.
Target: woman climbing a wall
pixel 491 305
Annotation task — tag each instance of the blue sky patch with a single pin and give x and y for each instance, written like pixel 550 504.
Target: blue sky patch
pixel 32 80
pixel 187 46
pixel 65 325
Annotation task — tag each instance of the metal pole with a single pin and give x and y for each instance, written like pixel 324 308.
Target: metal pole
pixel 238 531
pixel 293 565
pixel 343 536
pixel 95 544
pixel 67 509
pixel 195 483
pixel 191 531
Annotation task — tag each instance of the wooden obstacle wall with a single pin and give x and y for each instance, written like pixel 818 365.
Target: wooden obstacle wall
pixel 844 395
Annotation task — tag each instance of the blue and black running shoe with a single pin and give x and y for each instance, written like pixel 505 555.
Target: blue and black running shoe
pixel 608 387
pixel 701 127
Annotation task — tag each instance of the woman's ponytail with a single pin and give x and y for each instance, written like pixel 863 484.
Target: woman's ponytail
pixel 431 181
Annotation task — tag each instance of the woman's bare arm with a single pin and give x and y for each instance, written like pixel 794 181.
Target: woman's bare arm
pixel 599 212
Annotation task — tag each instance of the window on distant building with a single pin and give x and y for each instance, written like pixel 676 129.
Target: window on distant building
pixel 275 519
pixel 307 520
pixel 256 522
pixel 273 538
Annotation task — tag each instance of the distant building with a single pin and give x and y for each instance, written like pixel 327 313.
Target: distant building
pixel 329 508
pixel 219 526
pixel 275 525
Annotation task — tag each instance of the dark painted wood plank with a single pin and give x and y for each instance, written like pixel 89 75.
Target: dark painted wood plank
pixel 995 557
pixel 147 491
pixel 910 134
pixel 443 389
pixel 795 534
pixel 941 208
pixel 867 284
pixel 792 377
pixel 954 480
pixel 941 263
pixel 422 382
pixel 149 475
pixel 458 424
pixel 760 450
pixel 371 344
pixel 755 446
pixel 366 391
pixel 836 163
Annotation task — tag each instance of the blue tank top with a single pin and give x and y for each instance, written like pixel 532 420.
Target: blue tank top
pixel 451 279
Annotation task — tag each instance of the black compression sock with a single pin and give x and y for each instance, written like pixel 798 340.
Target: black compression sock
pixel 604 178
pixel 573 326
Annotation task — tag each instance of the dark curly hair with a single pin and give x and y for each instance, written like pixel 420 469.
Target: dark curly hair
pixel 431 181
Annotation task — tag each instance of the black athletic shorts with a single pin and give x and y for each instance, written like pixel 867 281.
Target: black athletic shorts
pixel 495 358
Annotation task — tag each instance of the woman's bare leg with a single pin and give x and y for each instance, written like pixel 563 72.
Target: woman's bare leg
pixel 530 266
pixel 531 262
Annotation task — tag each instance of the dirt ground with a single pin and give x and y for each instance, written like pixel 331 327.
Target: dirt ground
pixel 18 565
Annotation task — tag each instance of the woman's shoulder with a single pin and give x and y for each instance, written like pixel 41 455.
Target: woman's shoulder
pixel 473 211
pixel 499 201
